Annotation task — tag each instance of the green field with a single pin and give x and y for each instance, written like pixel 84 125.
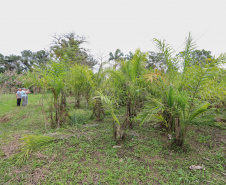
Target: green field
pixel 85 154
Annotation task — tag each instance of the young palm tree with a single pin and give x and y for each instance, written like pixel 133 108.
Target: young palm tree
pixel 174 100
pixel 80 79
pixel 127 83
pixel 51 77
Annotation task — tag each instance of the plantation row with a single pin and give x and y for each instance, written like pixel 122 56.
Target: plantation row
pixel 172 94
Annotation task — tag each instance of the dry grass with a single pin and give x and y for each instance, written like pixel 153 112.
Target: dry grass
pixel 13 145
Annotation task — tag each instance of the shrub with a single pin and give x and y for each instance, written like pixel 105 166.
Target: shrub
pixel 78 118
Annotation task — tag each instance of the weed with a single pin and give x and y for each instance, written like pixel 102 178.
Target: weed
pixel 89 157
pixel 78 118
pixel 204 139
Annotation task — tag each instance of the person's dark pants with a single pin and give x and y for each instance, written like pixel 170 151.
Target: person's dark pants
pixel 18 101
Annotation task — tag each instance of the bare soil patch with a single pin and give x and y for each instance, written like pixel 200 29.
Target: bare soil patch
pixel 32 177
pixel 13 146
pixel 5 118
pixel 221 120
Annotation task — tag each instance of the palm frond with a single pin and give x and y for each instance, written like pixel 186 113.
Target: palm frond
pixel 189 48
pixel 109 104
pixel 154 76
pixel 170 97
pixel 114 117
pixel 199 110
pixel 166 50
pixel 138 63
pixel 182 100
pixel 144 117
pixel 30 144
pixel 111 56
pixel 160 118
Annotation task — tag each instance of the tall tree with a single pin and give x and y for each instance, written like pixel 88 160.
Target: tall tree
pixel 41 58
pixel 116 56
pixel 25 62
pixel 68 48
pixel 200 57
pixel 13 62
pixel 155 60
pixel 129 56
pixel 2 63
pixel 27 59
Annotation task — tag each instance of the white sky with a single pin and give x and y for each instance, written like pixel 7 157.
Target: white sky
pixel 112 24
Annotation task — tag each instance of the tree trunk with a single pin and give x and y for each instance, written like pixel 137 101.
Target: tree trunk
pixel 98 110
pixel 169 119
pixel 177 128
pixel 78 103
pixel 178 134
pixel 57 113
pixel 77 100
pixel 118 132
pixel 63 99
pixel 129 116
pixel 63 111
pixel 51 114
pixel 43 111
pixel 114 130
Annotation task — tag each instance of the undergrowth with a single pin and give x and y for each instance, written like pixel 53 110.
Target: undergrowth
pixel 87 155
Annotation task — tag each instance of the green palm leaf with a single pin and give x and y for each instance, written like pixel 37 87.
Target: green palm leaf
pixel 31 143
pixel 199 110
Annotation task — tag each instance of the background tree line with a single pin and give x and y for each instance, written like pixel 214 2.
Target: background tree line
pixel 67 48
pixel 24 62
pixel 157 60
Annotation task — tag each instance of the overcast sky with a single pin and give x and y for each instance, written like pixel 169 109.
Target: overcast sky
pixel 112 24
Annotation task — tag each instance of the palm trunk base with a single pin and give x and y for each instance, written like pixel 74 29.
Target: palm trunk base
pixel 118 132
pixel 178 139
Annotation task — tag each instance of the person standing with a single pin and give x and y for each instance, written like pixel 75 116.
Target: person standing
pixel 27 92
pixel 24 97
pixel 18 96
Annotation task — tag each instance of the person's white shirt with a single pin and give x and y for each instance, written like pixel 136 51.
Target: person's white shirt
pixel 23 93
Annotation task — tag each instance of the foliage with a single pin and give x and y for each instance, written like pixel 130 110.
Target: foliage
pixel 199 110
pixel 175 92
pixel 155 60
pixel 200 57
pixel 68 48
pixel 111 105
pixel 30 144
pixel 87 156
pixel 78 118
pixel 127 84
pixel 166 54
pixel 116 56
pixel 25 62
pixel 80 80
pixel 51 78
pixel 10 81
pixel 175 102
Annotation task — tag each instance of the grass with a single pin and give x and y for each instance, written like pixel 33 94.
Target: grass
pixel 7 102
pixel 86 155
